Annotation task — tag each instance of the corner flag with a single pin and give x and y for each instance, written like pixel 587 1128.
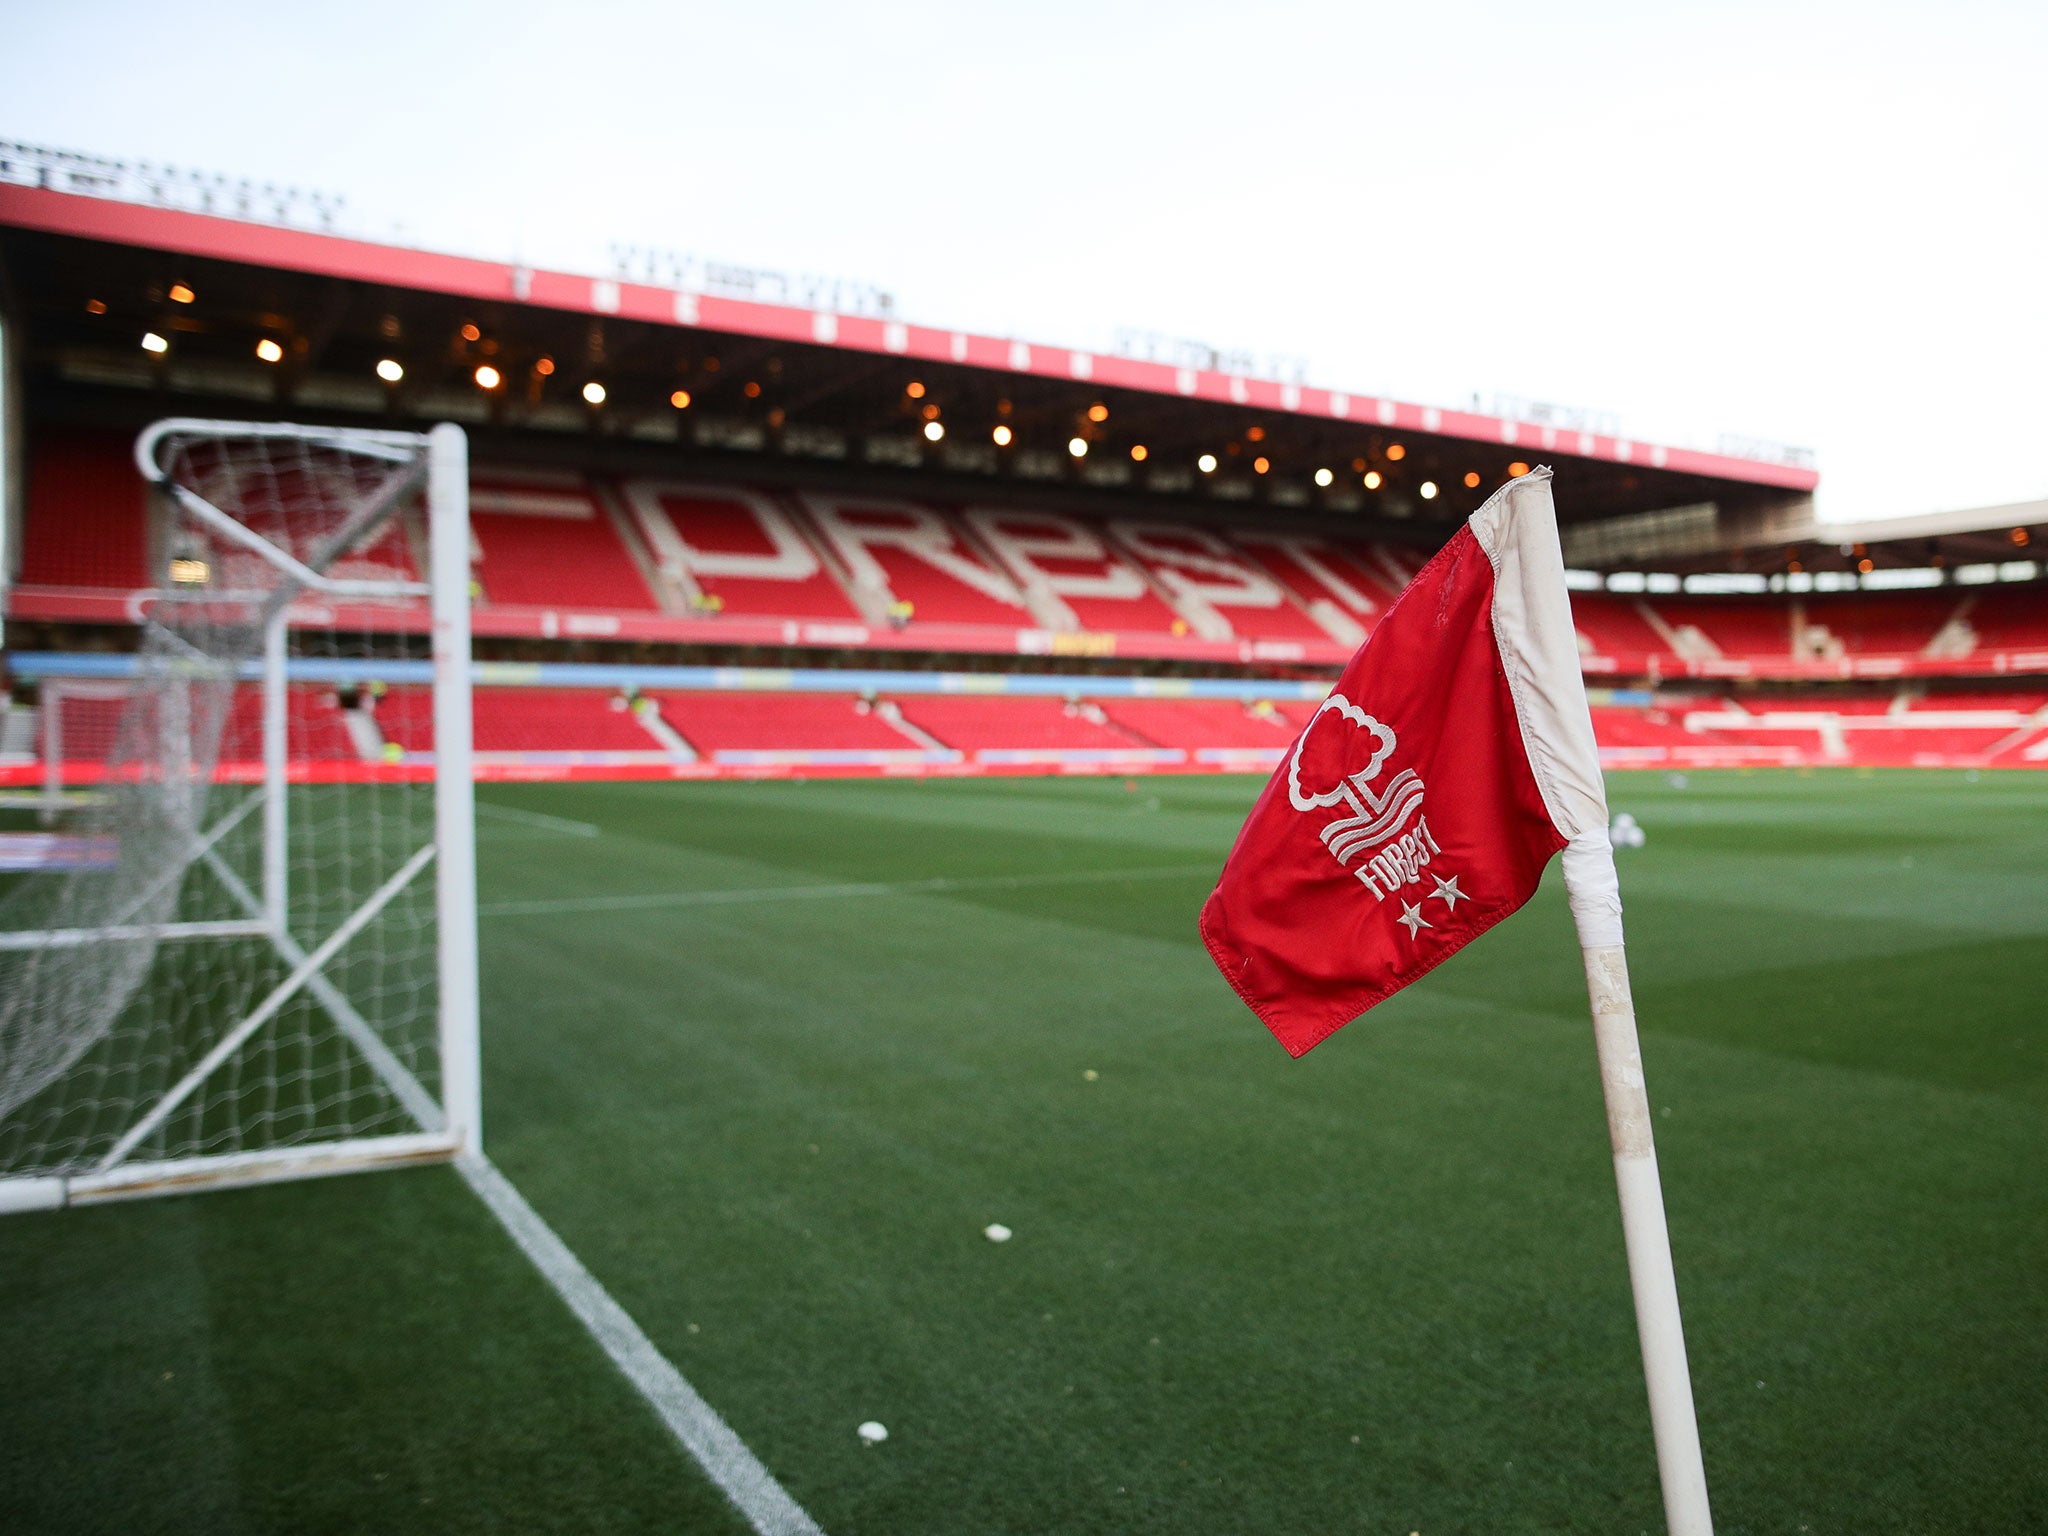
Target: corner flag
pixel 1418 808
pixel 1420 805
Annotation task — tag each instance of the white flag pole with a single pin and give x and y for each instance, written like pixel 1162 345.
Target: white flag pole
pixel 1533 628
pixel 1672 1421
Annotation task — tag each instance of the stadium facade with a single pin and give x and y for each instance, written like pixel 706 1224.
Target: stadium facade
pixel 717 532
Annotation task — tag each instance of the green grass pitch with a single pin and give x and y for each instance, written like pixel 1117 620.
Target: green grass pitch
pixel 770 1056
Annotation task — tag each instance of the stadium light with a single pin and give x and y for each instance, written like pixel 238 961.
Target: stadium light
pixel 1518 469
pixel 1002 435
pixel 1255 435
pixel 914 389
pixel 1098 412
pixel 1372 479
pixel 1137 453
pixel 594 392
pixel 1261 464
pixel 1206 463
pixel 1078 447
pixel 1396 453
pixel 487 377
pixel 95 306
pixel 751 390
pixel 180 294
pixel 1325 478
pixel 1428 489
pixel 544 367
pixel 151 342
pixel 680 399
pixel 934 430
pixel 1471 478
pixel 269 351
pixel 2020 537
pixel 471 333
pixel 390 370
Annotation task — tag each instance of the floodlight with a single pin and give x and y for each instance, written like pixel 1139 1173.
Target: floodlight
pixel 933 431
pixel 594 392
pixel 1396 452
pixel 1428 490
pixel 1078 447
pixel 1098 412
pixel 390 370
pixel 1261 464
pixel 487 377
pixel 180 294
pixel 680 399
pixel 1372 479
pixel 1138 452
pixel 1002 435
pixel 1324 477
pixel 151 342
pixel 1206 463
pixel 269 351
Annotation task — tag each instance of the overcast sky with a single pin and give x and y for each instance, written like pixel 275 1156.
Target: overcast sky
pixel 1820 224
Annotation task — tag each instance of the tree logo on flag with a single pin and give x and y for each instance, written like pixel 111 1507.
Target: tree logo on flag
pixel 1385 830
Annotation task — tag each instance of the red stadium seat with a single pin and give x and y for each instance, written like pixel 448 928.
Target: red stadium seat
pixel 544 541
pixel 84 523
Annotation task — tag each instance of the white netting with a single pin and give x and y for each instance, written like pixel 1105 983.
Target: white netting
pixel 121 975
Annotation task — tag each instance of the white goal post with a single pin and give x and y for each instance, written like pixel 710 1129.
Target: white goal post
pixel 268 969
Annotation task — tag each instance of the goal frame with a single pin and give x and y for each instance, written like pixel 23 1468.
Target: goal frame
pixel 452 1125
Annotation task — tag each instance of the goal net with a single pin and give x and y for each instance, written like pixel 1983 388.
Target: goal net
pixel 251 950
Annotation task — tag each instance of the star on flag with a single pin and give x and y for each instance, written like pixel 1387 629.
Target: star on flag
pixel 1412 918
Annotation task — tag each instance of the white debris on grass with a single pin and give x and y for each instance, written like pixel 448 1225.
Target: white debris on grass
pixel 872 1433
pixel 1625 833
pixel 996 1232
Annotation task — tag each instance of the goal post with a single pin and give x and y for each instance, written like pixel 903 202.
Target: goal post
pixel 268 969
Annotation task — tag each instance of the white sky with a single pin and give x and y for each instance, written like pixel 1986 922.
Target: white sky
pixel 1820 224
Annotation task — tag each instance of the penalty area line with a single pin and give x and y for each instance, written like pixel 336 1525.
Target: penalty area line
pixel 938 885
pixel 539 820
pixel 708 1438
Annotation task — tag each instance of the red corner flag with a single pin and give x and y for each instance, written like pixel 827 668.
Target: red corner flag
pixel 1420 804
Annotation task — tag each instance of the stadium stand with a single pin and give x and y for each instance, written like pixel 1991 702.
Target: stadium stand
pixel 85 512
pixel 2010 618
pixel 524 720
pixel 313 726
pixel 998 729
pixel 1071 574
pixel 732 550
pixel 1733 626
pixel 1343 588
pixel 1864 623
pixel 1614 627
pixel 544 540
pixel 1199 724
pixel 1214 588
pixel 896 553
pixel 715 724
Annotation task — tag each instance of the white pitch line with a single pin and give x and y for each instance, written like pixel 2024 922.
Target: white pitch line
pixel 538 819
pixel 708 1438
pixel 658 900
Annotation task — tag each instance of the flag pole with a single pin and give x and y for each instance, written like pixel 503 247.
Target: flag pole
pixel 1672 1421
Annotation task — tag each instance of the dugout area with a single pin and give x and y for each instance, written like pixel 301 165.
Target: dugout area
pixel 770 1056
